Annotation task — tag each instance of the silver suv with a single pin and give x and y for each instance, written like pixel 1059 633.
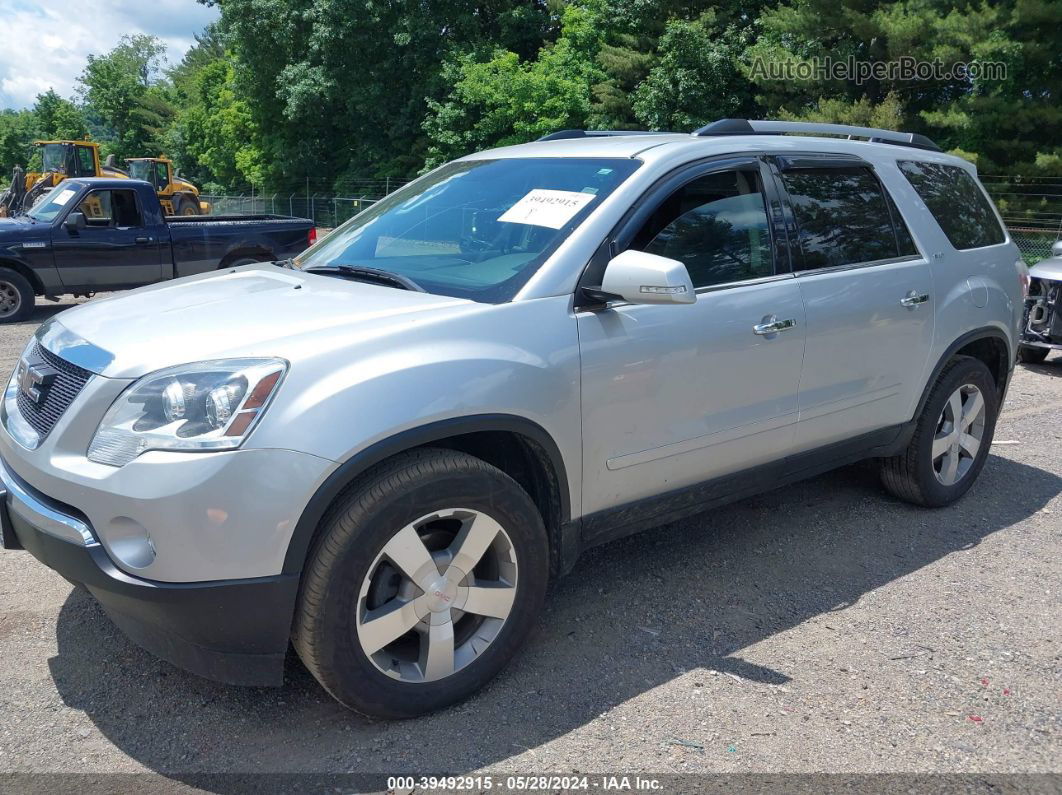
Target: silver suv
pixel 383 451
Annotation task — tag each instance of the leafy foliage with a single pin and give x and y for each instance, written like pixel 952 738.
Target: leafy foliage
pixel 292 95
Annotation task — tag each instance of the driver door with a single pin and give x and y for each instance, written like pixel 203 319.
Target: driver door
pixel 114 249
pixel 677 395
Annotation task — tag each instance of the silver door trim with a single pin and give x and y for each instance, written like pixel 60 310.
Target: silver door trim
pixel 701 442
pixel 859 265
pixel 850 402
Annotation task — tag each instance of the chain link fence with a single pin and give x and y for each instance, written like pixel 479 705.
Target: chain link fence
pixel 1032 210
pixel 324 210
pixel 1034 244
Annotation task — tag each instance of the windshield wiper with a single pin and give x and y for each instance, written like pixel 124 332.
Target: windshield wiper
pixel 371 275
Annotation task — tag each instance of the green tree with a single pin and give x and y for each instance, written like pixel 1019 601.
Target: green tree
pixel 125 90
pixel 18 128
pixel 505 100
pixel 58 118
pixel 338 86
pixel 697 77
pixel 1006 123
pixel 213 139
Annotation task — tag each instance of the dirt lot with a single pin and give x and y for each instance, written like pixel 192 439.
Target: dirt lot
pixel 824 627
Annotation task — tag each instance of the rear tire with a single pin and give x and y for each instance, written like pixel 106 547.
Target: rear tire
pixel 17 298
pixel 473 540
pixel 951 439
pixel 1027 354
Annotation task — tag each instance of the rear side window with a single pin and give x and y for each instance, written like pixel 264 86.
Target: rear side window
pixel 844 216
pixel 956 201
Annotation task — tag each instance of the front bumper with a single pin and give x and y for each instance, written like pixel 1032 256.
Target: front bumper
pixel 233 631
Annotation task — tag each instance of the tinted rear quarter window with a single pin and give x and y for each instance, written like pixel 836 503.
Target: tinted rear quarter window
pixel 956 202
pixel 844 217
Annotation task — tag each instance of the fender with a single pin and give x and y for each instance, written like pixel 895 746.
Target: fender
pixel 299 546
pixel 987 332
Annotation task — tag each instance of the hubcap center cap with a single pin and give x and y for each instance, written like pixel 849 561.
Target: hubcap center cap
pixel 441 595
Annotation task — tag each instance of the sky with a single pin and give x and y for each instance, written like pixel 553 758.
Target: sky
pixel 43 43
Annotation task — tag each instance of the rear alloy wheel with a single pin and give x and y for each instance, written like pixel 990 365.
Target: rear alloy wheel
pixel 17 299
pixel 960 429
pixel 422 584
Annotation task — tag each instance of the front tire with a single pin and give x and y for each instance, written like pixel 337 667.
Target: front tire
pixel 951 439
pixel 186 206
pixel 17 299
pixel 425 580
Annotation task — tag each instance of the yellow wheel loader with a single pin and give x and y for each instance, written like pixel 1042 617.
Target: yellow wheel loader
pixel 59 160
pixel 177 195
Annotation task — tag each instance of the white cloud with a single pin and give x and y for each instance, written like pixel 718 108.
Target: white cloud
pixel 43 43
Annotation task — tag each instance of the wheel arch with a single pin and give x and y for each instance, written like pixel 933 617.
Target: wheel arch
pixel 25 271
pixel 518 446
pixel 245 251
pixel 990 345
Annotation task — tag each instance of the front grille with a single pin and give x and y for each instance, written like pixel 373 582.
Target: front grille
pixel 68 383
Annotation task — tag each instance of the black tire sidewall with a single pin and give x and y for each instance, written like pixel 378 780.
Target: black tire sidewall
pixel 966 371
pixel 359 684
pixel 25 291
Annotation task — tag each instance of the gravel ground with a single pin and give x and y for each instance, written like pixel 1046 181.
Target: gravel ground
pixel 821 628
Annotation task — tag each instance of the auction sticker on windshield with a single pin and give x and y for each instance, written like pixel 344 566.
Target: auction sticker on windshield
pixel 64 196
pixel 552 208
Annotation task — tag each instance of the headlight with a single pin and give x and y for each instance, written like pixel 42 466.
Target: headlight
pixel 204 406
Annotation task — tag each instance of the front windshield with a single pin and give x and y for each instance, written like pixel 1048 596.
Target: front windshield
pixel 54 157
pixel 474 229
pixel 141 169
pixel 51 204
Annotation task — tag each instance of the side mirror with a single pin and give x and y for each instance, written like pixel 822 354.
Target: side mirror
pixel 74 222
pixel 641 278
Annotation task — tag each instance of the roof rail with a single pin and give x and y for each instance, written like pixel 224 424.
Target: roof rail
pixel 563 134
pixel 747 127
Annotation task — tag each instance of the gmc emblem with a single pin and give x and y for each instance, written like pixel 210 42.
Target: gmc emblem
pixel 34 380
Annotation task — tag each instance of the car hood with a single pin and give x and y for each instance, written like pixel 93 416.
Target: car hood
pixel 14 229
pixel 257 310
pixel 1050 269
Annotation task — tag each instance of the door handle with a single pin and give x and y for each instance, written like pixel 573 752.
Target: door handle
pixel 772 325
pixel 143 240
pixel 913 299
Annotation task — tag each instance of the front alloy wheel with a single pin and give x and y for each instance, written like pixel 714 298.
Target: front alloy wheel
pixel 423 581
pixel 437 595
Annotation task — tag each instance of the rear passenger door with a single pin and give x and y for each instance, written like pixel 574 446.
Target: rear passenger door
pixel 676 395
pixel 867 294
pixel 117 247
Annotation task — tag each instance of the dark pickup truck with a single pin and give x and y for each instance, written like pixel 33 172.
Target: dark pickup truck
pixel 98 234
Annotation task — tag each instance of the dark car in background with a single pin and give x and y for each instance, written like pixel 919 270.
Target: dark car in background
pixel 99 234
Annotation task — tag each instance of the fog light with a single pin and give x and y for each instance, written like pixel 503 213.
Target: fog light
pixel 130 543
